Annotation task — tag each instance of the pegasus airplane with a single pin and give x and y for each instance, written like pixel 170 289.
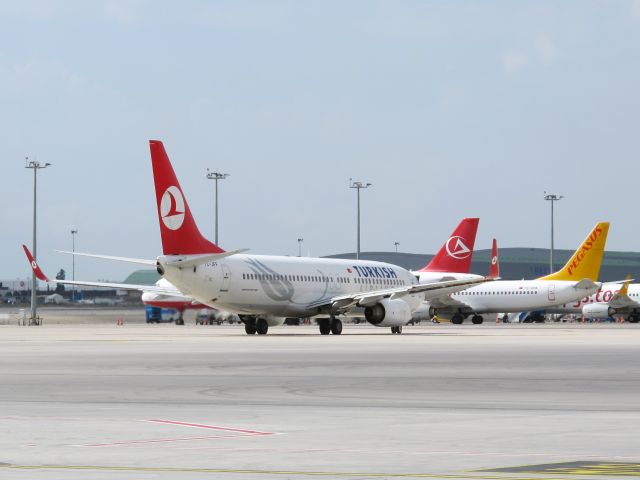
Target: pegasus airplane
pixel 264 289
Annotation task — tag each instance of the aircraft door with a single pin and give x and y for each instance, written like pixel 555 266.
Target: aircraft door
pixel 226 278
pixel 552 292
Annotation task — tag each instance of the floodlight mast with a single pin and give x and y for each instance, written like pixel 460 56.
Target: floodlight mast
pixel 35 165
pixel 552 197
pixel 358 186
pixel 216 176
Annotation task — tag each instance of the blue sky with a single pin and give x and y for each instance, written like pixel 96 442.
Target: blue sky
pixel 450 109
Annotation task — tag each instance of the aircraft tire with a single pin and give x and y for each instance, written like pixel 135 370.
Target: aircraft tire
pixel 457 319
pixel 325 326
pixel 262 327
pixel 336 326
pixel 250 326
pixel 477 319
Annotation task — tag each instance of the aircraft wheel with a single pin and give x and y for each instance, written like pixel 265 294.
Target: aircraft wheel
pixel 250 326
pixel 457 319
pixel 477 319
pixel 336 326
pixel 262 327
pixel 325 326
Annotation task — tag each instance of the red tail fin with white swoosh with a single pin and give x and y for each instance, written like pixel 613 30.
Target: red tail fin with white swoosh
pixel 494 268
pixel 178 229
pixel 455 255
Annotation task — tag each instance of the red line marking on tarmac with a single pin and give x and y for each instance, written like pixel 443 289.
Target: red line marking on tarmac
pixel 232 432
pixel 212 427
pixel 154 440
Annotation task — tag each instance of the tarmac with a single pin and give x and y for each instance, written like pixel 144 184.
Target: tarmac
pixel 439 401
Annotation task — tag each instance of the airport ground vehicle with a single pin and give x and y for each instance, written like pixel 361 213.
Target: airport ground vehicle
pixel 162 315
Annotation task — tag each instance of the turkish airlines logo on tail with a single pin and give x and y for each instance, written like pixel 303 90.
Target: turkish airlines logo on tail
pixel 494 260
pixel 457 249
pixel 172 208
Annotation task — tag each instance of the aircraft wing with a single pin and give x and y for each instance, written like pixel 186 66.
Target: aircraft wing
pixel 120 286
pixel 431 291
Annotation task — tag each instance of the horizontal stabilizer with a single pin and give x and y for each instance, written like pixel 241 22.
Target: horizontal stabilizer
pixel 586 284
pixel 195 260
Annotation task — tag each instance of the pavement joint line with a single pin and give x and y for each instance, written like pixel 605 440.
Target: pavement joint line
pixel 273 472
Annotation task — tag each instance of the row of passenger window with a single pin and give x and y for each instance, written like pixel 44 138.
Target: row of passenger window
pixel 323 279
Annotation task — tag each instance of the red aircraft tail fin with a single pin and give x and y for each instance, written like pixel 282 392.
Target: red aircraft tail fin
pixel 455 255
pixel 178 229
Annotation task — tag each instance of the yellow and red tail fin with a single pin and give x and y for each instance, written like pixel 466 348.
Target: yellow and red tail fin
pixel 586 260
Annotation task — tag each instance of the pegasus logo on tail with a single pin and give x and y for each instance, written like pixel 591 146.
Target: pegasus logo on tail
pixel 172 208
pixel 457 249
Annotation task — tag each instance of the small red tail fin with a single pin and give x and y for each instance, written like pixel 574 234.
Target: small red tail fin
pixel 178 229
pixel 494 268
pixel 455 255
pixel 34 265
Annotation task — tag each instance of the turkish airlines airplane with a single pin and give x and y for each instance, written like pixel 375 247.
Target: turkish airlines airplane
pixel 612 299
pixel 265 289
pixel 577 279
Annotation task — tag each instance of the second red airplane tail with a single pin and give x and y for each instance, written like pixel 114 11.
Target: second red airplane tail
pixel 455 255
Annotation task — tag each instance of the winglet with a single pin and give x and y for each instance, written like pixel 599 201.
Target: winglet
pixel 34 265
pixel 494 268
pixel 625 288
pixel 586 260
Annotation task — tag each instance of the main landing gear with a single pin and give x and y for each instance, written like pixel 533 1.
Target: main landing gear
pixel 477 319
pixel 396 330
pixel 180 320
pixel 457 319
pixel 330 325
pixel 254 325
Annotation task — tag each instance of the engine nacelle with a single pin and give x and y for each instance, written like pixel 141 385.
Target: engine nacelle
pixel 423 312
pixel 597 310
pixel 388 313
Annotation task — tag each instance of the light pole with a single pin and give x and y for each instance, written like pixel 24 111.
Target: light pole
pixel 552 197
pixel 216 176
pixel 73 264
pixel 358 186
pixel 396 244
pixel 300 240
pixel 35 165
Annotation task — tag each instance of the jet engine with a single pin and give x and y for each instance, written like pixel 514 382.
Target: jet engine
pixel 423 312
pixel 388 313
pixel 597 310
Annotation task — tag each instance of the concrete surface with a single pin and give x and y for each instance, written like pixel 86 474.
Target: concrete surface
pixel 438 401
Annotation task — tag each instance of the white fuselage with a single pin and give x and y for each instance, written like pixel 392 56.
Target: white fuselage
pixel 519 295
pixel 604 295
pixel 278 286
